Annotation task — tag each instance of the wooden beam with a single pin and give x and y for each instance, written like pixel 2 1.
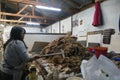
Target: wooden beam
pixel 17 6
pixel 22 9
pixel 28 2
pixel 20 15
pixel 35 2
pixel 33 10
pixel 16 21
pixel 0 9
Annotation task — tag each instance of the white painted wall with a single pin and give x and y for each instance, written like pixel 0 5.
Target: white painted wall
pixel 1 27
pixel 111 12
pixel 56 28
pixel 115 44
pixel 31 38
pixel 49 29
pixel 35 35
pixel 6 33
pixel 32 29
pixel 7 30
pixel 65 25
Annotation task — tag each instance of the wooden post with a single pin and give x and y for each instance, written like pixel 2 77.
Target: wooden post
pixel 0 9
pixel 33 10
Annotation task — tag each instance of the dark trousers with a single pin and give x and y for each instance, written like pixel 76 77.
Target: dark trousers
pixel 4 76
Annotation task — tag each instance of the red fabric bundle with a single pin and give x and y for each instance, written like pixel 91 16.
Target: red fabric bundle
pixel 97 15
pixel 99 51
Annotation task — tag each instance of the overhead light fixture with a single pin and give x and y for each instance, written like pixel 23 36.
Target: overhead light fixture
pixel 32 23
pixel 48 8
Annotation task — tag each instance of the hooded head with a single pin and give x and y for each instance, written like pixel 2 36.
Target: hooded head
pixel 17 33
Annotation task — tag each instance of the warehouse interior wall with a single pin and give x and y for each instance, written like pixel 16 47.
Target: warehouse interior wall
pixel 65 25
pixel 56 28
pixel 82 24
pixel 111 13
pixel 7 30
pixel 33 34
pixel 49 29
pixel 31 30
pixel 34 30
pixel 39 37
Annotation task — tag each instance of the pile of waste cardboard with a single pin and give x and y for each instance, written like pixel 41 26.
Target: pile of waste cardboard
pixel 70 59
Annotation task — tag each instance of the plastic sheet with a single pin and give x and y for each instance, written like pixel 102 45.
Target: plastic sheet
pixel 100 69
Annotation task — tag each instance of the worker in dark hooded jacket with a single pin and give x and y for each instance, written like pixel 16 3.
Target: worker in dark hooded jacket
pixel 15 55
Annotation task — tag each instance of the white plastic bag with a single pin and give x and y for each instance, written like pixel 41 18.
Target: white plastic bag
pixel 83 69
pixel 100 69
pixel 108 70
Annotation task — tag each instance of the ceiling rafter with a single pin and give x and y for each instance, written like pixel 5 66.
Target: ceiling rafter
pixel 17 7
pixel 22 17
pixel 69 8
pixel 18 14
pixel 27 16
pixel 16 21
pixel 19 20
pixel 30 2
pixel 22 9
pixel 44 4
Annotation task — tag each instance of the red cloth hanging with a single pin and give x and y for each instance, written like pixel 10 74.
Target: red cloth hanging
pixel 97 15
